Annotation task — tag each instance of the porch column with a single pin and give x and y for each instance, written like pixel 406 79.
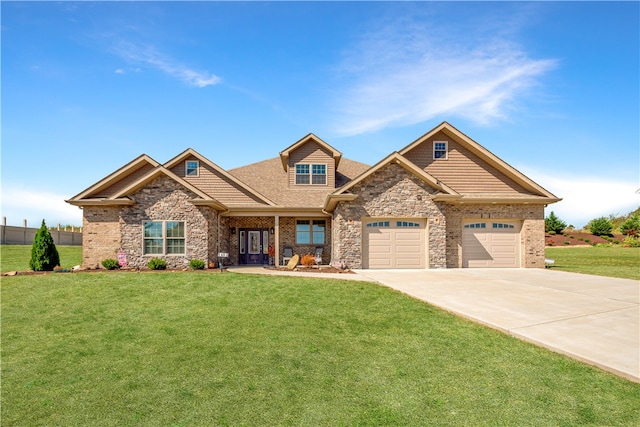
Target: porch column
pixel 276 261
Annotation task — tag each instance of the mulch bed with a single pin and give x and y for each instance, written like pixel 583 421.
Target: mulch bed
pixel 576 238
pixel 312 270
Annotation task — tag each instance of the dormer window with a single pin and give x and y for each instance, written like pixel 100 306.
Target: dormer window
pixel 191 168
pixel 439 150
pixel 311 174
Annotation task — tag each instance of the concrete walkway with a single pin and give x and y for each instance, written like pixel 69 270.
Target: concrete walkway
pixel 590 318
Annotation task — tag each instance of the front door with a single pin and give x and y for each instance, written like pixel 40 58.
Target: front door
pixel 254 246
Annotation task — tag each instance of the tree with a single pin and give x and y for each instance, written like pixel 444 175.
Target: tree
pixel 554 224
pixel 44 255
pixel 600 226
pixel 631 225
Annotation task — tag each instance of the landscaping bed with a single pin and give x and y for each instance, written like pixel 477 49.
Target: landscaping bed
pixel 580 238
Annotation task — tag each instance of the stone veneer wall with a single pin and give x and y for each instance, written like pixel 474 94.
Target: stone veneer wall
pixel 531 236
pixel 163 199
pixel 101 234
pixel 391 192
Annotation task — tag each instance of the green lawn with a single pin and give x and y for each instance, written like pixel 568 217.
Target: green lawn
pixel 16 257
pixel 200 348
pixel 612 261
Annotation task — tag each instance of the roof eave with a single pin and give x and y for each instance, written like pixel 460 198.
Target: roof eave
pixel 101 202
pixel 470 199
pixel 332 200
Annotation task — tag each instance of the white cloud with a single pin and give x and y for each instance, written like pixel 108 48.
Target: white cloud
pixel 150 56
pixel 587 197
pixel 406 73
pixel 19 204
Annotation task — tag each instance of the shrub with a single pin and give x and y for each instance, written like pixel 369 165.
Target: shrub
pixel 308 260
pixel 196 264
pixel 631 226
pixel 44 255
pixel 600 226
pixel 110 264
pixel 631 241
pixel 157 264
pixel 551 233
pixel 567 242
pixel 553 223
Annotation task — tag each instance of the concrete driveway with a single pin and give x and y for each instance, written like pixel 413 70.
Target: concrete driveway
pixel 590 318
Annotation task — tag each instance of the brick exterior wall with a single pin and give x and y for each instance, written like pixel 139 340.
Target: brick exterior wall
pixel 101 234
pixel 391 192
pixel 531 235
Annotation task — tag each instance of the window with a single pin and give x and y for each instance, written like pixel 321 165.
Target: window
pixel 439 150
pixel 407 224
pixel 480 225
pixel 319 174
pixel 191 168
pixel 378 224
pixel 498 225
pixel 311 174
pixel 164 238
pixel 310 231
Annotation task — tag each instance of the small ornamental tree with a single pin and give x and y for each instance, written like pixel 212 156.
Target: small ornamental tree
pixel 631 226
pixel 553 223
pixel 600 226
pixel 44 255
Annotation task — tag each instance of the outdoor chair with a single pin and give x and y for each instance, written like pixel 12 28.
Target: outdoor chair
pixel 288 253
pixel 318 255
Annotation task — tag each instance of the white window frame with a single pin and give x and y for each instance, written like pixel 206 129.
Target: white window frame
pixel 440 150
pixel 187 168
pixel 311 175
pixel 311 232
pixel 165 239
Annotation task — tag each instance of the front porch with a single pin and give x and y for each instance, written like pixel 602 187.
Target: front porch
pixel 261 240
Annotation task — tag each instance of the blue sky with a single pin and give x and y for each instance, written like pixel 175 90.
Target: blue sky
pixel 550 87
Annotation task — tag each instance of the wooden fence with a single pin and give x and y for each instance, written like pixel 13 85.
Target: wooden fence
pixel 13 235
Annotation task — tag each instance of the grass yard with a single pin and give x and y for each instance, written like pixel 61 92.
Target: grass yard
pixel 199 348
pixel 612 261
pixel 16 257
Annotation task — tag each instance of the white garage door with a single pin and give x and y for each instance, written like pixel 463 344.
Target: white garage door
pixel 394 243
pixel 491 244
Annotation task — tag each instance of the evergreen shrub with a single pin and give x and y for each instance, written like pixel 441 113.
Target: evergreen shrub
pixel 157 264
pixel 110 264
pixel 44 255
pixel 196 264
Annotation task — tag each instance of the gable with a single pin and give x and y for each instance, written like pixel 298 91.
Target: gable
pixel 215 184
pixel 462 170
pixel 287 152
pixel 351 190
pixel 215 181
pixel 311 153
pixel 469 168
pixel 121 178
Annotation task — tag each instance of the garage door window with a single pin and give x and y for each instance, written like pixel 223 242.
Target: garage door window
pixel 479 225
pixel 407 224
pixel 498 225
pixel 378 224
